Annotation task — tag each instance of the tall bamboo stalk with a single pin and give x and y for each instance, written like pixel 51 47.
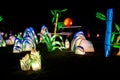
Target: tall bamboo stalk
pixel 56 23
pixel 108 31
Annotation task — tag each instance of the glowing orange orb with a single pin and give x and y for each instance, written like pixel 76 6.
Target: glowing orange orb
pixel 68 22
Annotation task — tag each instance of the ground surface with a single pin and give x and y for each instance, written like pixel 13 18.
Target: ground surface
pixel 65 64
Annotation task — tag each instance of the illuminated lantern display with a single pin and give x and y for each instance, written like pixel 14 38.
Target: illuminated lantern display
pixel 28 44
pixel 2 41
pixel 35 58
pixel 11 40
pixel 29 39
pixel 68 22
pixel 17 47
pixel 108 39
pixel 79 50
pixel 31 61
pixel 67 44
pixel 25 63
pixel 1 18
pixel 87 45
pixel 108 31
pixel 44 31
pixel 79 41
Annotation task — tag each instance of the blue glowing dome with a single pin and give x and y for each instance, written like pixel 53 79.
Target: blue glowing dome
pixel 78 33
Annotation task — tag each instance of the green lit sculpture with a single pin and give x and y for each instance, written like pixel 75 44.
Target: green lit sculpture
pixel 56 14
pixel 115 40
pixel 1 18
pixel 51 42
pixel 115 37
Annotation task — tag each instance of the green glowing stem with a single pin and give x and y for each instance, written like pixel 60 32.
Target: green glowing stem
pixel 56 23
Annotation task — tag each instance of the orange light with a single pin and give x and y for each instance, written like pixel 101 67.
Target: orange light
pixel 68 22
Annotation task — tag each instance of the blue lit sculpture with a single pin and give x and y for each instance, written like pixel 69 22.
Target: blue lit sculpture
pixel 108 32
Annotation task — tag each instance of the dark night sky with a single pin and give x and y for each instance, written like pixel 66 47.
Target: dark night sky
pixel 19 15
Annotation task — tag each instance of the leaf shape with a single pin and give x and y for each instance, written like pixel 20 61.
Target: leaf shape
pixel 60 25
pixel 19 36
pixel 1 18
pixel 53 19
pixel 56 43
pixel 48 42
pixel 116 46
pixel 57 47
pixel 56 11
pixel 100 16
pixel 63 10
pixel 52 12
pixel 118 39
pixel 117 27
pixel 55 36
pixel 112 38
